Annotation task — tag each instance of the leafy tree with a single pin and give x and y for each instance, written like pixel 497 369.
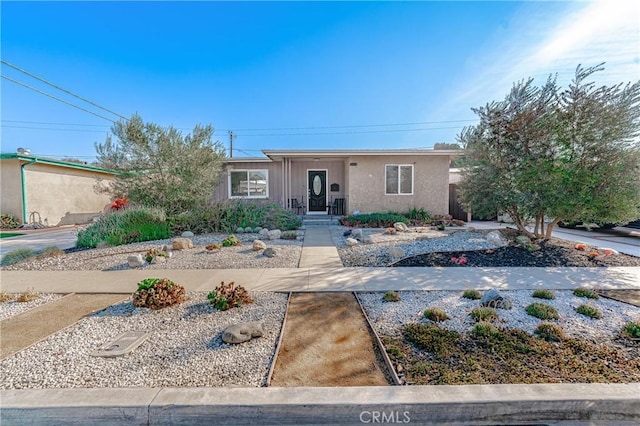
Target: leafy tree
pixel 159 166
pixel 568 155
pixel 443 145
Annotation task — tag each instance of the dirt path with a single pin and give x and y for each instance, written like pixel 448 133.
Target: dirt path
pixel 327 342
pixel 23 330
pixel 630 296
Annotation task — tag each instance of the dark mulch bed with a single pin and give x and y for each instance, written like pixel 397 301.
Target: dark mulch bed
pixel 555 252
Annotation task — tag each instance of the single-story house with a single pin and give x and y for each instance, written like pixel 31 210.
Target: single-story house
pixel 342 181
pixel 50 192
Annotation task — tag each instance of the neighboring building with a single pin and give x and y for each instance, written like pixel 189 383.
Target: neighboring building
pixel 342 181
pixel 50 192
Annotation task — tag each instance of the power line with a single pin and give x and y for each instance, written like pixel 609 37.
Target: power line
pixel 56 98
pixel 353 132
pixel 359 125
pixel 60 88
pixel 53 128
pixel 54 124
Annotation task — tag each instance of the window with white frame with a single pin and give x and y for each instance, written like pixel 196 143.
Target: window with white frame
pixel 249 184
pixel 398 179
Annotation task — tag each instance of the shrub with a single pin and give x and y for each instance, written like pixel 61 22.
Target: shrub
pixel 9 221
pixel 550 332
pixel 52 251
pixel 391 296
pixel 543 294
pixel 632 329
pixel 231 240
pixel 28 296
pixel 585 292
pixel 289 235
pixel 472 294
pixel 418 215
pixel 485 329
pixel 17 256
pixel 589 311
pixel 373 220
pixel 227 296
pixel 542 311
pixel 484 314
pixel 126 226
pixel 158 293
pixel 436 315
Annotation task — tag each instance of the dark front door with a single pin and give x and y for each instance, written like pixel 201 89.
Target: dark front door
pixel 317 191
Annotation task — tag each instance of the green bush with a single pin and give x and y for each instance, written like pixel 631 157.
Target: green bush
pixel 435 315
pixel 9 221
pixel 585 292
pixel 472 294
pixel 126 226
pixel 391 296
pixel 418 215
pixel 543 294
pixel 17 256
pixel 231 240
pixel 485 329
pixel 542 311
pixel 373 220
pixel 589 311
pixel 484 314
pixel 632 329
pixel 550 332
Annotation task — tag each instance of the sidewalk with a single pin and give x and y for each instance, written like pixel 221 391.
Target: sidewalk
pixel 63 237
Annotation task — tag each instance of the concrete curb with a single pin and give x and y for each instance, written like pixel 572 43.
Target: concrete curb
pixel 474 404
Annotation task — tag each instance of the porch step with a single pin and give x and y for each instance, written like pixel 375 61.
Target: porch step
pixel 319 220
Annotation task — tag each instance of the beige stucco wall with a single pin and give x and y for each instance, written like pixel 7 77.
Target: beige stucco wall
pixel 63 196
pixel 221 193
pixel 430 185
pixel 10 188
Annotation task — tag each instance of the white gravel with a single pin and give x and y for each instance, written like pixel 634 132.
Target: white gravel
pixel 184 349
pixel 236 257
pixel 13 307
pixel 388 317
pixel 417 241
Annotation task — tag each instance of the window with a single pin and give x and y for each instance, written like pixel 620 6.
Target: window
pixel 249 184
pixel 399 179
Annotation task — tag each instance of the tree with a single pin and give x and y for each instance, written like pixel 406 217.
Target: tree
pixel 566 155
pixel 159 166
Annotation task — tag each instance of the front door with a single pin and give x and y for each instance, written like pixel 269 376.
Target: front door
pixel 317 201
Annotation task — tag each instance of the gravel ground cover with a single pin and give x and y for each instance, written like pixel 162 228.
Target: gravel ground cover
pixel 234 257
pixel 184 349
pixel 430 248
pixel 593 351
pixel 13 307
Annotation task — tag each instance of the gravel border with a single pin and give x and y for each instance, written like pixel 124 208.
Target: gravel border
pixel 388 317
pixel 115 258
pixel 184 349
pixel 11 308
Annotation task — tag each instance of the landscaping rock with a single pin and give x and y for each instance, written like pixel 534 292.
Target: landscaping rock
pixel 135 261
pixel 494 299
pixel 367 240
pixel 269 252
pixel 187 234
pixel 264 232
pixel 497 239
pixel 401 227
pixel 259 245
pixel 181 244
pixel 274 234
pixel 351 242
pixel 347 233
pixel 243 332
pixel 158 259
pixel 357 234
pixel 396 252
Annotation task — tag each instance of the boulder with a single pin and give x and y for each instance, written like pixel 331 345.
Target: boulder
pixel 158 259
pixel 264 232
pixel 367 240
pixel 396 252
pixel 269 252
pixel 357 234
pixel 494 299
pixel 181 244
pixel 243 332
pixel 135 261
pixel 187 234
pixel 274 234
pixel 401 227
pixel 259 245
pixel 351 242
pixel 496 239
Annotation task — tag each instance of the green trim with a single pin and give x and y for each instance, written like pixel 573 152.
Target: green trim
pixel 52 162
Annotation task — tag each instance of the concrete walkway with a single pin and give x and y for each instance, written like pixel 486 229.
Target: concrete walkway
pixel 318 250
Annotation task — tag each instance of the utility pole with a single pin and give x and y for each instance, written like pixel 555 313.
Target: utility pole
pixel 231 136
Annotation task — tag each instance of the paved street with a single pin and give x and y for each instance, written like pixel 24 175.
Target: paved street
pixel 37 239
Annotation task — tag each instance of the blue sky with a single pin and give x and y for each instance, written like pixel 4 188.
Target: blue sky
pixel 308 75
